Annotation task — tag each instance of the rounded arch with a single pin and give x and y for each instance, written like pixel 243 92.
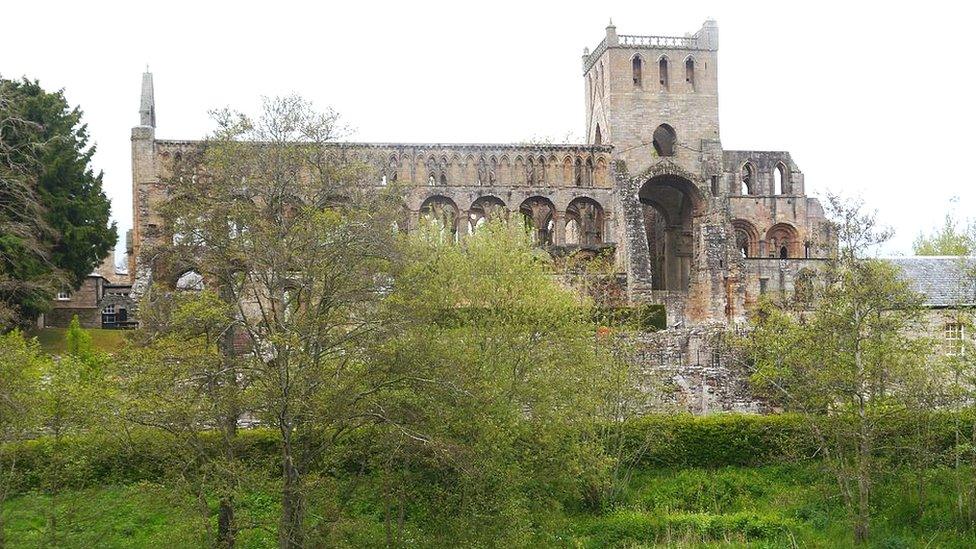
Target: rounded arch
pixel 671 203
pixel 782 241
pixel 442 211
pixel 664 140
pixel 584 222
pixel 485 208
pixel 539 214
pixel 747 179
pixel 746 238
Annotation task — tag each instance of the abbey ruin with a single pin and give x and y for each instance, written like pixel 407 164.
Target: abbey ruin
pixel 702 230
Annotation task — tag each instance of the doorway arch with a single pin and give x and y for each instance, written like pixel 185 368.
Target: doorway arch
pixel 670 205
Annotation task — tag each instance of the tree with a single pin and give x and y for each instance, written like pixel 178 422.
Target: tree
pixel 852 362
pixel 281 225
pixel 495 378
pixel 45 143
pixel 950 239
pixel 177 380
pixel 27 278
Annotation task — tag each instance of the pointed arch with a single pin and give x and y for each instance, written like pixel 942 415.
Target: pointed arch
pixel 747 179
pixel 637 68
pixel 598 137
pixel 690 72
pixel 781 179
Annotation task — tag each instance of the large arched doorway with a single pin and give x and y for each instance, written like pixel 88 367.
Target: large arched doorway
pixel 670 204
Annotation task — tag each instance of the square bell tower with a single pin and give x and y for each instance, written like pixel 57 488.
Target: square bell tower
pixel 653 97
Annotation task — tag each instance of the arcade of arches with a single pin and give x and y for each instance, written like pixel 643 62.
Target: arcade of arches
pixel 582 223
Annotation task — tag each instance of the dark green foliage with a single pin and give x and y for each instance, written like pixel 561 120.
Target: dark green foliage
pixel 647 317
pixel 51 153
pixel 721 440
pixel 94 460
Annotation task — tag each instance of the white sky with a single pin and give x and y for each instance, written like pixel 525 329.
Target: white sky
pixel 875 101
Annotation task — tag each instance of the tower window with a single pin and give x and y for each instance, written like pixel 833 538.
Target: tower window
pixel 664 140
pixel 715 189
pixel 598 138
pixel 638 69
pixel 663 72
pixel 690 73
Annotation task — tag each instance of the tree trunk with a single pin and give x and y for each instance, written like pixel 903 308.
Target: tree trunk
pixel 226 528
pixel 290 534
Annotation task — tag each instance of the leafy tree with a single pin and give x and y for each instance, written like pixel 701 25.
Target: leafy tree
pixel 854 359
pixel 279 224
pixel 27 278
pixel 498 380
pixel 47 145
pixel 950 239
pixel 177 380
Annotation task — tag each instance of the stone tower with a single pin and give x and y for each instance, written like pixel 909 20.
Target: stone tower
pixel 654 96
pixel 145 180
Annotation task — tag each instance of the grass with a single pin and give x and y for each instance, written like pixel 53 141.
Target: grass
pixel 773 506
pixel 52 339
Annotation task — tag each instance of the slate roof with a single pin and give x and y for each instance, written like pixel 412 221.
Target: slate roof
pixel 945 281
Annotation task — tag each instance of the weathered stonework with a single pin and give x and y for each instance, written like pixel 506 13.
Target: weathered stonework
pixel 699 229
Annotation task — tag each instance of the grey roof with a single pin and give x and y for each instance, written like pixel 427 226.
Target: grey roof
pixel 945 281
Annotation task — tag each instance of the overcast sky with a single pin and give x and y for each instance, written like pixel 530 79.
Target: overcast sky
pixel 870 101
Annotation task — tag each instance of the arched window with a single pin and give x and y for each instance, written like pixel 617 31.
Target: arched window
pixel 443 179
pixel 578 172
pixel 538 214
pixel 781 180
pixel 441 212
pixel 663 72
pixel 584 222
pixel 748 180
pixel 638 66
pixel 690 72
pixel 664 140
pixel 782 241
pixel 715 188
pixel 598 138
pixel 746 238
pixel 588 175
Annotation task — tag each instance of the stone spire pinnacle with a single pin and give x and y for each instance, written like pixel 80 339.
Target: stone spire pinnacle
pixel 147 105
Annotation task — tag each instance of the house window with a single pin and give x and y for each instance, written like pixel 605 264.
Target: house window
pixel 955 334
pixel 64 295
pixel 108 310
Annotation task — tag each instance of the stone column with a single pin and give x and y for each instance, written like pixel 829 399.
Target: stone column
pixel 559 223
